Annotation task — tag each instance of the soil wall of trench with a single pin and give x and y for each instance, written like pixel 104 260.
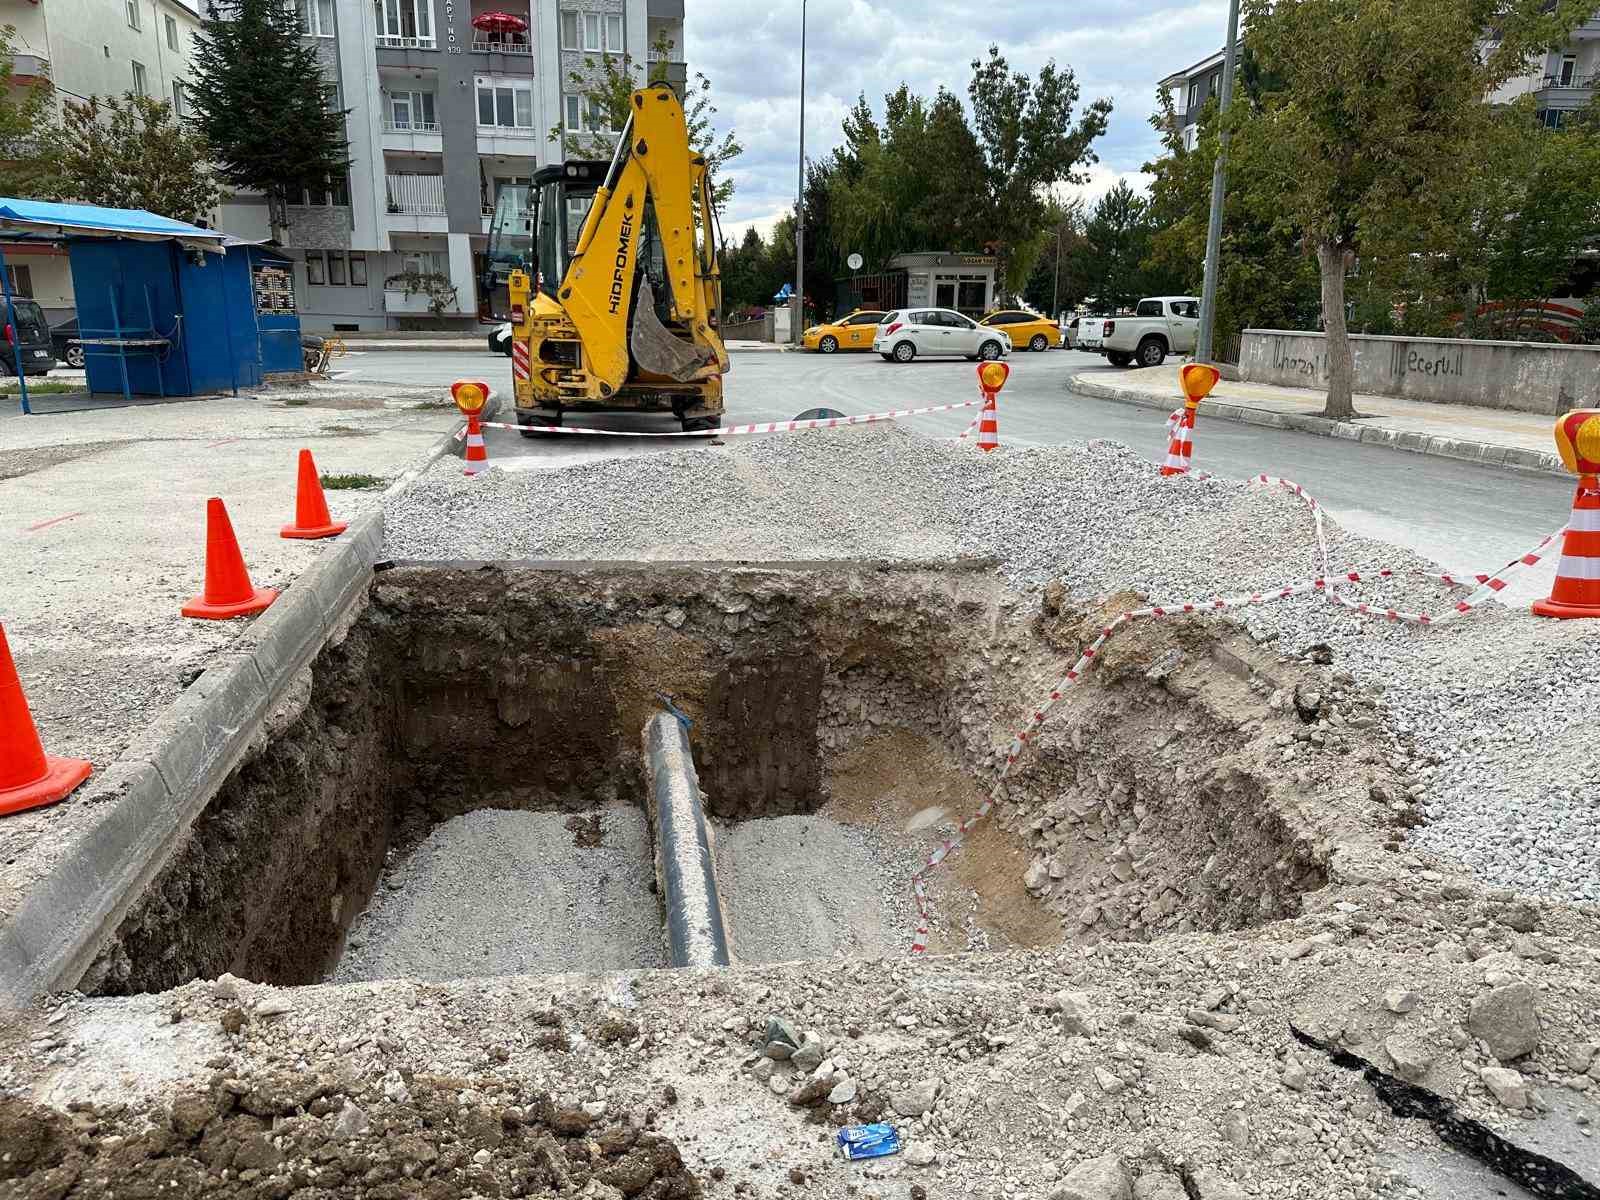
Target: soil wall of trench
pixel 1156 799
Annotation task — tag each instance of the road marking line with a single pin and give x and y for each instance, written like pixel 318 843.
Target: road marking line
pixel 52 521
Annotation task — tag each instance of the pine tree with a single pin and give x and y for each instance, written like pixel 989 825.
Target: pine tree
pixel 262 102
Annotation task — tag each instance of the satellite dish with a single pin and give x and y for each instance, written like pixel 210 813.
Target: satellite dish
pixel 855 261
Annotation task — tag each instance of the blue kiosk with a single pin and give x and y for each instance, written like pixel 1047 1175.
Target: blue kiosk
pixel 165 308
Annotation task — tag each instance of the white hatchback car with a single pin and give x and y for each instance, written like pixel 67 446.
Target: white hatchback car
pixel 907 332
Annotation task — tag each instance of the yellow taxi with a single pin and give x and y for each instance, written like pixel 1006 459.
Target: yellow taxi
pixel 851 332
pixel 1028 330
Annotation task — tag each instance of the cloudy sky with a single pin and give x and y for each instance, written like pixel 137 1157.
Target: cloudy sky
pixel 750 50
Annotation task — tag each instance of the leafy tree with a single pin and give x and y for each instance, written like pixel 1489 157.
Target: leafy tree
pixel 261 102
pixel 1370 109
pixel 27 129
pixel 605 87
pixel 1116 241
pixel 1029 144
pixel 132 153
pixel 1057 281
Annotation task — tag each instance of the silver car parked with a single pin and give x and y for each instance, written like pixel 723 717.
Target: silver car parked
pixel 907 332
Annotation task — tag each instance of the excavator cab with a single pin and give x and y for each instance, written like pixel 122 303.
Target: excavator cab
pixel 607 273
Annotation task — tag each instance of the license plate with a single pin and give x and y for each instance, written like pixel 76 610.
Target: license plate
pixel 40 354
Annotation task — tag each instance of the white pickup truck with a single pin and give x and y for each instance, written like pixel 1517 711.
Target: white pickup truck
pixel 1160 325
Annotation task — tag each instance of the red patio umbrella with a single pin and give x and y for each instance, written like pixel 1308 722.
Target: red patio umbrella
pixel 499 22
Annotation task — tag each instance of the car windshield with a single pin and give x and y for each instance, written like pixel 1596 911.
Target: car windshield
pixel 31 324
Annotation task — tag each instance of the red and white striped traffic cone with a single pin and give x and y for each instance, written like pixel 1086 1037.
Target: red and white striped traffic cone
pixel 1577 588
pixel 989 424
pixel 1180 444
pixel 477 455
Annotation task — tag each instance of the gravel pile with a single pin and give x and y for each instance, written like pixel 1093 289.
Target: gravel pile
pixel 498 892
pixel 1497 701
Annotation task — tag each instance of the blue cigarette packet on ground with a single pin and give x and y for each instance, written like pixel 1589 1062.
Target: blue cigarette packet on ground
pixel 868 1141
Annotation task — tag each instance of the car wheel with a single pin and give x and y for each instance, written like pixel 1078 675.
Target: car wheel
pixel 828 344
pixel 1039 343
pixel 989 351
pixel 1152 352
pixel 904 352
pixel 1118 359
pixel 74 356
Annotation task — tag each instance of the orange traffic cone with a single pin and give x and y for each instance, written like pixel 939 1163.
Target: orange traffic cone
pixel 311 516
pixel 29 778
pixel 1180 446
pixel 477 452
pixel 1577 588
pixel 228 591
pixel 989 424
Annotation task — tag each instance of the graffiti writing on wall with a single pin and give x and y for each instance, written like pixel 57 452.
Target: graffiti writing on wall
pixel 1283 360
pixel 1405 360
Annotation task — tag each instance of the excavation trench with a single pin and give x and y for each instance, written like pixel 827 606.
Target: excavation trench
pixel 460 789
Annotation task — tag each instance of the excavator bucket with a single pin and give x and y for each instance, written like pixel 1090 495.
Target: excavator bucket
pixel 656 349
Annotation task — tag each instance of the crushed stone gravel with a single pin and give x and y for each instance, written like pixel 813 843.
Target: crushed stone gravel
pixel 1502 697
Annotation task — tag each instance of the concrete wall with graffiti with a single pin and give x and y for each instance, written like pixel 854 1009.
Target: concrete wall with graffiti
pixel 1525 376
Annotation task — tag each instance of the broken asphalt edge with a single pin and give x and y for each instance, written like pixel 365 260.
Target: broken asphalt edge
pixel 1487 454
pixel 147 799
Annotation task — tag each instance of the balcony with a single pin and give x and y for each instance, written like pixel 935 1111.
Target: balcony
pixel 482 45
pixel 416 203
pixel 391 42
pixel 421 137
pixel 675 71
pixel 1570 83
pixel 26 67
pixel 396 302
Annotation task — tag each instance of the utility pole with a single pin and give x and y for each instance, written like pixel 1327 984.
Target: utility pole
pixel 1219 184
pixel 1055 290
pixel 797 317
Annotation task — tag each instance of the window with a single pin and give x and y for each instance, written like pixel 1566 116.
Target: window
pixel 574 114
pixel 179 108
pixel 1194 94
pixel 1185 308
pixel 505 104
pixel 595 118
pixel 21 281
pixel 412 110
pixel 1569 67
pixel 405 21
pixel 336 275
pixel 139 78
pixel 358 269
pixel 865 319
pixel 172 33
pixel 1148 308
pixel 425 262
pixel 133 13
pixel 569 30
pixel 316 17
pixel 314 270
pixel 1553 118
pixel 614 33
pixel 591 31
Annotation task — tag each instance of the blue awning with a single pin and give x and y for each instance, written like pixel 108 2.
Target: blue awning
pixel 38 220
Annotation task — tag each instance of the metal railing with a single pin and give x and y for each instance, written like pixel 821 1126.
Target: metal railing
pixel 1573 81
pixel 494 46
pixel 419 194
pixel 656 56
pixel 412 127
pixel 406 43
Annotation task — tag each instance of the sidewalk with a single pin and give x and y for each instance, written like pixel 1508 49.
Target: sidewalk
pixel 1494 437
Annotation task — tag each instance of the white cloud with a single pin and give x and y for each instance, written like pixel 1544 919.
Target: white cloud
pixel 1118 49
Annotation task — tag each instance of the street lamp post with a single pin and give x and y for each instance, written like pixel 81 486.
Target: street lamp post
pixel 1219 183
pixel 797 317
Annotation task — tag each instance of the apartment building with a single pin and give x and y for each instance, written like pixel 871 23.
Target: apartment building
pixel 1561 81
pixel 90 48
pixel 444 116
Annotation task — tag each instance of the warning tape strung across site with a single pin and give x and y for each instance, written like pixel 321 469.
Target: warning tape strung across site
pixel 738 430
pixel 1324 585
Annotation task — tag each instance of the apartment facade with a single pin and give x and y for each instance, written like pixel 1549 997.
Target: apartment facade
pixel 87 48
pixel 1189 89
pixel 444 116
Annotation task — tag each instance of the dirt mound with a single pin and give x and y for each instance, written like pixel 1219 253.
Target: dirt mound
pixel 281 1135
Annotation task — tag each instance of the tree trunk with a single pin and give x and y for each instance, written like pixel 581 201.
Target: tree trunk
pixel 1334 260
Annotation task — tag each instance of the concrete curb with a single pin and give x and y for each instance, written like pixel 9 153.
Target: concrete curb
pixel 1485 453
pixel 421 345
pixel 148 798
pixel 686 873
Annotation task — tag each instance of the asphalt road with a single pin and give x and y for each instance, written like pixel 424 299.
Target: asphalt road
pixel 1464 516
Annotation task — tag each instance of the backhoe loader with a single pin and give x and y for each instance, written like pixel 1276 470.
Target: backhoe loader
pixel 608 276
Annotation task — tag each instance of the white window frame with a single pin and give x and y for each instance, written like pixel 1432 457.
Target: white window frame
pixel 574 113
pixel 141 78
pixel 417 119
pixel 613 33
pixel 316 18
pixel 521 91
pixel 592 22
pixel 571 22
pixel 132 7
pixel 315 256
pixel 179 107
pixel 172 32
pixel 391 16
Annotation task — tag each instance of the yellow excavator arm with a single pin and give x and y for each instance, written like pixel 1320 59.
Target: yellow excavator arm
pixel 656 190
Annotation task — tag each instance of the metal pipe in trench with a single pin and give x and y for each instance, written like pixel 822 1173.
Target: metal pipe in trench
pixel 686 875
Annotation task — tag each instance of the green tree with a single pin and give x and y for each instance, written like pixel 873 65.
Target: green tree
pixel 27 129
pixel 261 102
pixel 1371 109
pixel 1029 144
pixel 1057 282
pixel 132 153
pixel 605 87
pixel 1116 241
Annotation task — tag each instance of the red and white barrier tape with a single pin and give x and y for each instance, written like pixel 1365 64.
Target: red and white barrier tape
pixel 1326 585
pixel 739 430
